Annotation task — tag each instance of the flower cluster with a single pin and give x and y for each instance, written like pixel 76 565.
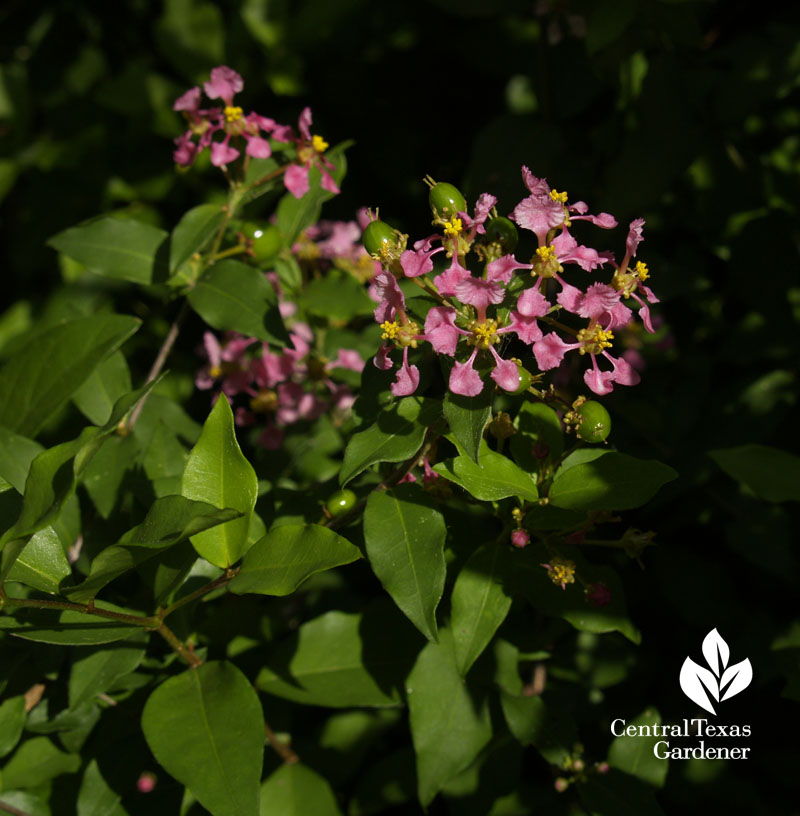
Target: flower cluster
pixel 508 296
pixel 253 131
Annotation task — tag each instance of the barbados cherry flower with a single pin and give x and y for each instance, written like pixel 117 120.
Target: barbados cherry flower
pixel 474 312
pixel 228 121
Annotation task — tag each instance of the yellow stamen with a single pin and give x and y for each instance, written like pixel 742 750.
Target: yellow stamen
pixel 264 402
pixel 319 144
pixel 483 334
pixel 232 114
pixel 546 253
pixel 641 271
pixel 560 197
pixel 215 371
pixel 453 227
pixel 594 340
pixel 390 330
pixel 562 571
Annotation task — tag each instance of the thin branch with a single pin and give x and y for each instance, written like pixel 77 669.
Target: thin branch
pixel 85 609
pixel 224 579
pixel 283 750
pixel 14 811
pixel 187 655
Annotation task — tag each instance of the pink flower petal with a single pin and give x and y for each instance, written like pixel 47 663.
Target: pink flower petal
pixel 526 328
pixel 418 263
pixel 601 382
pixel 539 214
pixel 532 303
pixel 447 281
pixel 304 123
pixel 550 351
pixel 382 360
pixel 225 83
pixel 501 269
pixel 257 147
pixel 506 373
pixel 440 330
pixel 634 236
pixel 391 297
pixel 295 180
pixel 407 378
pixel 537 186
pixel 190 101
pixel 465 380
pixel 349 359
pixel 479 293
pixel 222 153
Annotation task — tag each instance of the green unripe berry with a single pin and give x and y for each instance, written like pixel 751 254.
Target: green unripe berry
pixel 504 232
pixel 446 200
pixel 525 380
pixel 378 235
pixel 267 242
pixel 596 424
pixel 340 502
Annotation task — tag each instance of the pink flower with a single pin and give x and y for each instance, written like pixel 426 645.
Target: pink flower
pixel 520 539
pixel 465 380
pixel 483 207
pixel 407 378
pixel 634 237
pixel 539 212
pixel 388 293
pixel 550 351
pixel 441 331
pixel 569 251
pixel 418 263
pixel 448 280
pixel 600 303
pixel 310 150
pixel 224 84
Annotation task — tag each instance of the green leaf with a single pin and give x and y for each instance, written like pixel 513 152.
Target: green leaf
pixel 448 726
pixel 42 564
pixel 536 423
pixel 95 797
pixel 404 537
pixel 495 478
pixel 218 473
pixel 170 520
pixel 233 295
pixel 617 794
pixel 110 380
pixel 206 728
pixel 396 435
pixel 295 790
pixel 772 474
pixel 193 232
pixel 296 214
pixel 341 659
pixel 279 562
pixel 28 803
pixel 480 602
pixel 12 721
pixel 467 417
pixel 117 248
pixel 66 627
pixel 635 755
pixel 391 781
pixel 336 296
pixel 35 762
pixel 533 722
pixel 104 474
pixel 16 454
pixel 611 482
pixel 40 379
pixel 94 671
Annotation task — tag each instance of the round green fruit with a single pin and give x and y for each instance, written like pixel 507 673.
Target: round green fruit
pixel 377 235
pixel 446 200
pixel 266 242
pixel 340 502
pixel 503 232
pixel 524 380
pixel 596 424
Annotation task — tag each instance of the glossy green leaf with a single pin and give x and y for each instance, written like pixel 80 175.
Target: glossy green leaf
pixel 449 726
pixel 611 482
pixel 193 232
pixel 404 537
pixel 95 797
pixel 285 557
pixel 30 804
pixel 636 756
pixel 341 659
pixel 94 671
pixel 533 722
pixel 110 380
pixel 618 794
pixel 467 418
pixel 337 296
pixel 170 520
pixel 479 603
pixel 772 474
pixel 206 728
pixel 16 454
pixel 233 295
pixel 396 435
pixel 67 627
pixel 497 477
pixel 218 473
pixel 105 473
pixel 42 564
pixel 117 248
pixel 35 762
pixel 295 214
pixel 296 790
pixel 538 427
pixel 41 378
pixel 12 721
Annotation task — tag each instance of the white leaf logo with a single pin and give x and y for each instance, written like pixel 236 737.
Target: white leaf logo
pixel 701 685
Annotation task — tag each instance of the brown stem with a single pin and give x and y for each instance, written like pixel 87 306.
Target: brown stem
pixel 558 325
pixel 14 811
pixel 284 751
pixel 86 609
pixel 158 363
pixel 186 654
pixel 270 176
pixel 225 578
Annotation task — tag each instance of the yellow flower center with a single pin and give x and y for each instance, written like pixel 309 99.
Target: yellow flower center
pixel 453 227
pixel 483 334
pixel 319 144
pixel 546 253
pixel 390 330
pixel 641 271
pixel 232 114
pixel 402 335
pixel 594 339
pixel 265 402
pixel 562 571
pixel 560 197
